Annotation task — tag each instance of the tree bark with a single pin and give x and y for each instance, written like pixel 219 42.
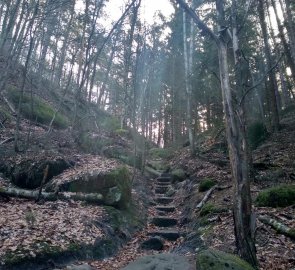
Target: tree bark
pixel 235 137
pixel 275 121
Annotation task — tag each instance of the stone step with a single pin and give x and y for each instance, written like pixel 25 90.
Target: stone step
pixel 164 179
pixel 167 209
pixel 163 184
pixel 163 200
pixel 161 190
pixel 166 234
pixel 166 175
pixel 164 221
pixel 154 243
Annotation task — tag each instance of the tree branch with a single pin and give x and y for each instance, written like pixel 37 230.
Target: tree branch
pixel 260 81
pixel 197 20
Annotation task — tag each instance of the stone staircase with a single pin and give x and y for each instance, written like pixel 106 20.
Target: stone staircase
pixel 164 221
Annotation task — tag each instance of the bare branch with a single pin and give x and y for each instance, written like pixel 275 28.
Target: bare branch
pixel 197 20
pixel 260 81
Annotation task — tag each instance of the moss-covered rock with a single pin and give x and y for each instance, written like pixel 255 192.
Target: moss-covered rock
pixel 178 175
pixel 114 185
pixel 206 184
pixel 217 260
pixel 29 173
pixel 36 109
pixel 279 196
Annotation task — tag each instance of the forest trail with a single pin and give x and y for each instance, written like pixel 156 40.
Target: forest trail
pixel 153 246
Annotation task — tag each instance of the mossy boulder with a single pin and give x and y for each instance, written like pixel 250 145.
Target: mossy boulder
pixel 36 109
pixel 178 175
pixel 114 185
pixel 30 172
pixel 280 196
pixel 217 260
pixel 159 262
pixel 206 184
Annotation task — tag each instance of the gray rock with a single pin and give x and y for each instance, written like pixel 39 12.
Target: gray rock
pixel 164 221
pixel 79 267
pixel 218 260
pixel 167 234
pixel 167 209
pixel 160 262
pixel 164 200
pixel 154 243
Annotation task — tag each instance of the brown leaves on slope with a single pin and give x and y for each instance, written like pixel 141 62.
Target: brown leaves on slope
pixel 27 229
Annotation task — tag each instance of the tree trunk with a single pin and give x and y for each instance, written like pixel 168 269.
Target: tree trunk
pixel 187 67
pixel 275 122
pixel 51 196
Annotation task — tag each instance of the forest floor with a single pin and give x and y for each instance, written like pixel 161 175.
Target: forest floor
pixel 273 164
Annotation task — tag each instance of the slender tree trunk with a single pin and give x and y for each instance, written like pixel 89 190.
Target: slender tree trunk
pixel 275 122
pixel 187 67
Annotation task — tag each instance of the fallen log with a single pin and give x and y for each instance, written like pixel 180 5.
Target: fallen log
pixel 51 196
pixel 279 227
pixel 205 199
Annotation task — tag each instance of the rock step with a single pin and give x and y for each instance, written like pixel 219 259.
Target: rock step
pixel 154 243
pixel 168 209
pixel 166 234
pixel 164 179
pixel 163 200
pixel 162 184
pixel 164 221
pixel 166 175
pixel 161 190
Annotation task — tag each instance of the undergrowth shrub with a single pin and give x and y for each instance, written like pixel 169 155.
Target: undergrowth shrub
pixel 207 209
pixel 257 133
pixel 206 184
pixel 279 196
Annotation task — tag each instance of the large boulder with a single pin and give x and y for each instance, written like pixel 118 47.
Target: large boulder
pixel 113 184
pixel 28 173
pixel 160 262
pixel 211 259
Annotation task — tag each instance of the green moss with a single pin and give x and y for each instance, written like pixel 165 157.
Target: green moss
pixel 126 219
pixel 257 133
pixel 20 255
pixel 218 260
pixel 178 175
pixel 207 209
pixel 165 153
pixel 206 184
pixel 110 123
pixel 41 113
pixel 122 177
pixel 280 196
